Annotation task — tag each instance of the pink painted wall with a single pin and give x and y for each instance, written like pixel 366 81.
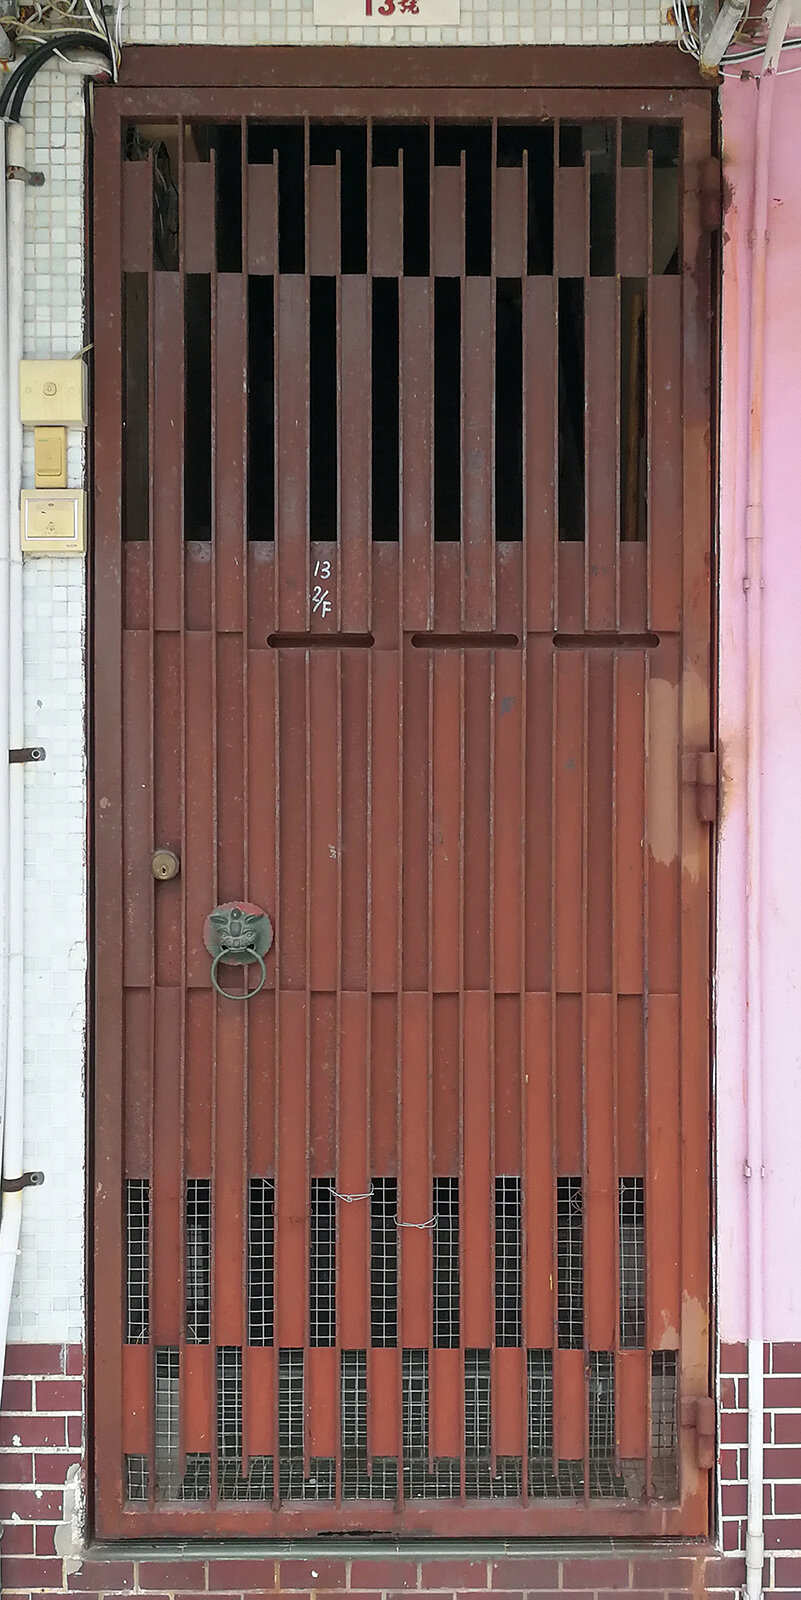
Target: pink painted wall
pixel 781 780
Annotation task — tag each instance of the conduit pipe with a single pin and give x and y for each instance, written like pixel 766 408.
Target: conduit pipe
pixel 5 559
pixel 753 584
pixel 11 724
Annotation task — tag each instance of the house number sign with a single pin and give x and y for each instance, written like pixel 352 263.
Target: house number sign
pixel 387 13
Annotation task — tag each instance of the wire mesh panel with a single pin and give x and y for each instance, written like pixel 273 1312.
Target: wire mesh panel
pixel 384 1262
pixel 322 1264
pixel 137 1262
pixel 445 1251
pixel 570 1263
pixel 508 1267
pixel 167 1445
pixel 198 1260
pixel 632 1263
pixel 400 585
pixel 261 1261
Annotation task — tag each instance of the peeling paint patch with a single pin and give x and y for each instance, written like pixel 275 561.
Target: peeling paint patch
pixel 69 1534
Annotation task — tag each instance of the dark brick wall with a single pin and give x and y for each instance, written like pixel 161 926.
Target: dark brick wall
pixel 782 1502
pixel 41 1437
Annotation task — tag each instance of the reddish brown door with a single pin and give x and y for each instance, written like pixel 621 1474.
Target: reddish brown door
pixel 402 633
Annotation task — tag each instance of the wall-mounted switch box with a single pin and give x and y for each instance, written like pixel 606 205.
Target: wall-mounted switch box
pixel 50 458
pixel 53 393
pixel 53 521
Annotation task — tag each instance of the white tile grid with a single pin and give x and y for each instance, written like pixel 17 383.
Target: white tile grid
pixel 292 22
pixel 48 1296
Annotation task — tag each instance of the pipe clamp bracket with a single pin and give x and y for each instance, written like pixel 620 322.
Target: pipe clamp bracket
pixel 35 180
pixel 26 1180
pixel 29 752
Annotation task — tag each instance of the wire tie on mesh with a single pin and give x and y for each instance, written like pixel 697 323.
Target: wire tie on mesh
pixel 431 1223
pixel 349 1198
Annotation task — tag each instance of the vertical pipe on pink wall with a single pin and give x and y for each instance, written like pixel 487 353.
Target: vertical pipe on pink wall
pixel 753 584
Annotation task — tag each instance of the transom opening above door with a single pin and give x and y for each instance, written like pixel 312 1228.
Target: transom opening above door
pixel 389 204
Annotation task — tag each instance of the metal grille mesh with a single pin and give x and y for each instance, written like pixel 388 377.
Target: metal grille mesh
pixel 229 1420
pixel 137 1261
pixel 232 1484
pixel 198 1260
pixel 507 1261
pixel 197 1476
pixel 540 1408
pixel 384 1263
pixel 261 1261
pixel 445 1256
pixel 632 1263
pixel 602 1405
pixel 292 1484
pixel 353 1424
pixel 321 1483
pixel 167 1437
pixel 604 1480
pixel 570 1263
pixel 479 1479
pixel 420 1480
pixel 477 1405
pixel 664 1426
pixel 415 1405
pixel 136 1477
pixel 290 1424
pixel 363 1478
pixel 322 1264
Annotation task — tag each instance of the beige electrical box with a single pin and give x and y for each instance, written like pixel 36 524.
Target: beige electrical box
pixel 53 522
pixel 53 393
pixel 50 458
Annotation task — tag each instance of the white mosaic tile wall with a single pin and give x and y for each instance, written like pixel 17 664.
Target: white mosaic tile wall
pixel 48 1300
pixel 482 22
pixel 48 1291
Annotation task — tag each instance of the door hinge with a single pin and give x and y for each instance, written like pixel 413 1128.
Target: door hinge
pixel 710 193
pixel 706 785
pixel 700 772
pixel 698 1413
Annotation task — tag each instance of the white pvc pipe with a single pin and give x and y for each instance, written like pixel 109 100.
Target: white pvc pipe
pixel 11 694
pixel 721 33
pixel 753 585
pixel 5 554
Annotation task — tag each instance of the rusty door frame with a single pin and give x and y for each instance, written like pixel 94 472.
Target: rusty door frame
pixel 230 82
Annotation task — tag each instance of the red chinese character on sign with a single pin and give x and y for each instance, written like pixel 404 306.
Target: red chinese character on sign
pixel 410 5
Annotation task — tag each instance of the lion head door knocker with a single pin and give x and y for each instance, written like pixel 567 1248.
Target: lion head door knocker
pixel 238 933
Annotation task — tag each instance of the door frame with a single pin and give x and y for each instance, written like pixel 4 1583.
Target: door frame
pixel 461 81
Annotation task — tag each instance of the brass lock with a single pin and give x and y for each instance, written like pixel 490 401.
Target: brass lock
pixel 164 864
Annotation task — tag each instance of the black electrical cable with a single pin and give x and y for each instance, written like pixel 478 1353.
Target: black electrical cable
pixel 12 83
pixel 17 86
pixel 71 41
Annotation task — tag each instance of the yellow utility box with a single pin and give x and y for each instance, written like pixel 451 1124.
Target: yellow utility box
pixel 52 393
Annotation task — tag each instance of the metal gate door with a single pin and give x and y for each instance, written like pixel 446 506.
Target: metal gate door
pixel 402 630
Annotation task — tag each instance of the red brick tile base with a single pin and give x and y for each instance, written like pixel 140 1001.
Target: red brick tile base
pixel 41 1437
